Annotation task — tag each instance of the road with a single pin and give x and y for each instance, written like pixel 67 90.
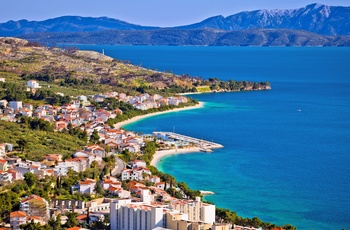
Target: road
pixel 119 166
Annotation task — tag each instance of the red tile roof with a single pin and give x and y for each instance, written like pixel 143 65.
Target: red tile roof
pixel 18 214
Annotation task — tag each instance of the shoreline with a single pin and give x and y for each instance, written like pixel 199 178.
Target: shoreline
pixel 163 153
pixel 137 118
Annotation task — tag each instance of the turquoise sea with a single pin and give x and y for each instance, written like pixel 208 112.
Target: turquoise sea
pixel 286 155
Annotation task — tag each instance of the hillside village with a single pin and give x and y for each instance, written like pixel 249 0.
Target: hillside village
pixel 143 194
pixel 107 183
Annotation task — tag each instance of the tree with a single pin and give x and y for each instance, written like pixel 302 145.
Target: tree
pixel 30 179
pixel 98 188
pixel 94 138
pixel 22 144
pixel 72 219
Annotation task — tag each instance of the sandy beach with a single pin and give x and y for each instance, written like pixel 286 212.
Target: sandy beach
pixel 160 154
pixel 123 123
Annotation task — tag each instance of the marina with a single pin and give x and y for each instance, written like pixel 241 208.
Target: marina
pixel 204 145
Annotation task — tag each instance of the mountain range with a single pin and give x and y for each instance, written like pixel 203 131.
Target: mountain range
pixel 312 25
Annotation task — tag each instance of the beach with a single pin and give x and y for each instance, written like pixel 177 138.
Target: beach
pixel 162 153
pixel 134 119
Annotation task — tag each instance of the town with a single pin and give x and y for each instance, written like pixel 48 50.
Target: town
pixel 108 192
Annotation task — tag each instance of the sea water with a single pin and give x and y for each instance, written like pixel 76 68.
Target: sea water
pixel 286 152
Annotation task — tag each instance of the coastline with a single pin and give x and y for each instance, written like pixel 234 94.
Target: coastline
pixel 162 153
pixel 137 118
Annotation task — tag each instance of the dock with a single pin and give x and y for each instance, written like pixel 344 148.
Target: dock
pixel 203 144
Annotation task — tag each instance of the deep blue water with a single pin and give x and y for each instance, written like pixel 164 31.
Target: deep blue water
pixel 278 163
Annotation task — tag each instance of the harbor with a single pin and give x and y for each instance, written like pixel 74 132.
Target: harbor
pixel 204 145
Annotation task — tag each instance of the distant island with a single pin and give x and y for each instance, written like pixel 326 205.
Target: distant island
pixel 312 25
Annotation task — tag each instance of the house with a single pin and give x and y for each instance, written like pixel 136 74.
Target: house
pixel 33 84
pixel 154 179
pixel 95 150
pixel 25 112
pixel 86 186
pixel 59 125
pixel 3 103
pixel 119 192
pixel 3 165
pixel 17 218
pixel 53 157
pixel 2 151
pixel 161 185
pixel 77 228
pixel 99 204
pixel 35 206
pixel 138 163
pixel 16 105
pixel 77 164
pixel 135 174
pixel 2 79
pixel 109 181
pixel 5 177
pixel 15 175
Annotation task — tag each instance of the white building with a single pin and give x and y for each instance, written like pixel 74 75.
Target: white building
pixel 33 84
pixel 16 105
pixel 35 206
pixel 196 210
pixel 125 215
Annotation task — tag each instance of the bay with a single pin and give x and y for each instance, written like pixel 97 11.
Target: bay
pixel 286 152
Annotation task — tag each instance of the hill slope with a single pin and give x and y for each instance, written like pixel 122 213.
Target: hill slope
pixel 66 24
pixel 203 37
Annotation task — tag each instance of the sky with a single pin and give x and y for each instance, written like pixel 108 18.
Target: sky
pixel 145 12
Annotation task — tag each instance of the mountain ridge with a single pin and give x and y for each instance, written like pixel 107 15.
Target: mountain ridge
pixel 312 25
pixel 316 18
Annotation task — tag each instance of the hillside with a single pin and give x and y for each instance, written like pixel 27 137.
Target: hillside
pixel 201 37
pixel 73 72
pixel 66 24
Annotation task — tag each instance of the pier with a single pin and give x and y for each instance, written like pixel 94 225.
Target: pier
pixel 206 146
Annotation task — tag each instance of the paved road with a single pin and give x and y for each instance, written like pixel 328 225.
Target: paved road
pixel 119 166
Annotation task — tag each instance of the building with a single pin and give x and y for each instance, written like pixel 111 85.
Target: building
pixel 196 210
pixel 179 221
pixel 16 105
pixel 126 215
pixel 17 218
pixel 86 186
pixel 3 165
pixel 35 206
pixel 68 204
pixel 33 84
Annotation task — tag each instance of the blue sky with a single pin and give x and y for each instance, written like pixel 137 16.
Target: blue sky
pixel 144 12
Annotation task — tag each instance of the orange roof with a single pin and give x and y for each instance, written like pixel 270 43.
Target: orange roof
pixel 3 161
pixel 87 181
pixel 35 218
pixel 18 214
pixel 74 228
pixel 82 217
pixel 32 197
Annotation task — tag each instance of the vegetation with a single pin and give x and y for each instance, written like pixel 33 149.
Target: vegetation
pixel 34 142
pixel 227 216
